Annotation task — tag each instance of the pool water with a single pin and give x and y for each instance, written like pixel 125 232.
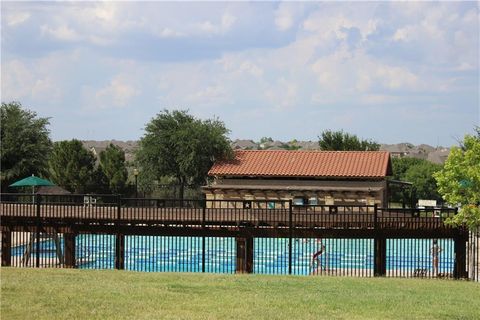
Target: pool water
pixel 271 255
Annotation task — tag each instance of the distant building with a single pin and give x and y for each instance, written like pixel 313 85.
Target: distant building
pixel 399 150
pixel 305 177
pixel 244 144
pixel 439 156
pixel 272 145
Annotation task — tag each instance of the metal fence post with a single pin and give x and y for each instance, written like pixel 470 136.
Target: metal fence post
pixel 204 209
pixel 69 249
pixel 6 248
pixel 120 239
pixel 39 223
pixel 375 216
pixel 119 207
pixel 119 251
pixel 290 235
pixel 460 249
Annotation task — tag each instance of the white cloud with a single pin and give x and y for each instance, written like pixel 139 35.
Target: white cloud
pixel 105 11
pixel 225 24
pixel 283 20
pixel 46 89
pixel 227 21
pixel 17 80
pixel 17 18
pixel 287 14
pixel 117 93
pixel 238 65
pixel 283 94
pixel 357 72
pixel 377 99
pixel 215 94
pixel 63 32
pixel 403 34
pixel 328 25
pixel 22 81
pixel 170 33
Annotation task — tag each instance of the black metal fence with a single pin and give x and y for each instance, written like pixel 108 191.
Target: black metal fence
pixel 268 237
pixel 310 256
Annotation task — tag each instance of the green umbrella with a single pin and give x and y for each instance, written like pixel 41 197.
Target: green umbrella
pixel 32 182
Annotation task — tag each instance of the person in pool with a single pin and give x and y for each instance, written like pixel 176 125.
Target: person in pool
pixel 316 262
pixel 435 251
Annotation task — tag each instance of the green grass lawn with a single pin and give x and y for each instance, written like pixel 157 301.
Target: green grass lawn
pixel 84 294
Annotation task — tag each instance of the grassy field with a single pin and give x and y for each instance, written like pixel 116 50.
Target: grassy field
pixel 84 294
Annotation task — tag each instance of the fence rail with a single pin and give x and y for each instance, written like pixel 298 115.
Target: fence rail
pixel 106 231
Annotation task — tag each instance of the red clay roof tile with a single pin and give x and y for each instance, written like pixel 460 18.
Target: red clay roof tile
pixel 283 163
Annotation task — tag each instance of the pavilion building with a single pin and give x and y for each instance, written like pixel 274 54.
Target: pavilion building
pixel 344 178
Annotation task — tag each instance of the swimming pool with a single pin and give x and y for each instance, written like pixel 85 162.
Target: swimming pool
pixel 271 255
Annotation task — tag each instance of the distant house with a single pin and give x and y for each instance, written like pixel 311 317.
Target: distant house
pixel 439 156
pixel 244 144
pixel 272 145
pixel 305 177
pixel 397 150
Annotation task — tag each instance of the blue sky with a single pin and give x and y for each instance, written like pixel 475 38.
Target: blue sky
pixel 392 72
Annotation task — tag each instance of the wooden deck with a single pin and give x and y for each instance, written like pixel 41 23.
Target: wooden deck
pixel 319 218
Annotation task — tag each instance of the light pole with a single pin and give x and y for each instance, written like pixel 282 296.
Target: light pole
pixel 135 173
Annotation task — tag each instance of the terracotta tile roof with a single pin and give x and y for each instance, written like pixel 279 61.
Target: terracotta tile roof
pixel 317 164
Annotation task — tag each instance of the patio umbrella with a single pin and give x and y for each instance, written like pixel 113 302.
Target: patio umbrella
pixel 32 182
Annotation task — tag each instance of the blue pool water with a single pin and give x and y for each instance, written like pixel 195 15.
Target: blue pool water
pixel 184 254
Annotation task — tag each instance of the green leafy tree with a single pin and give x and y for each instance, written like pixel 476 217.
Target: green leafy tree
pixel 342 141
pixel 459 181
pixel 401 165
pixel 112 165
pixel 25 143
pixel 72 166
pixel 422 177
pixel 178 145
pixel 420 173
pixel 266 139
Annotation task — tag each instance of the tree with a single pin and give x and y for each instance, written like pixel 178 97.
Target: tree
pixel 25 143
pixel 459 181
pixel 401 165
pixel 342 141
pixel 266 139
pixel 112 165
pixel 72 166
pixel 421 175
pixel 177 144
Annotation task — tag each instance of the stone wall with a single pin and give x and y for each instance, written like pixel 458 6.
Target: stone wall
pixel 321 192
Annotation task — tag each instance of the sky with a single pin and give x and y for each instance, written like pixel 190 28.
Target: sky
pixel 388 71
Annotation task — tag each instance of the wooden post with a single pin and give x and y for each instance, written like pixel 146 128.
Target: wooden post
pixel 244 255
pixel 241 255
pixel 6 248
pixel 460 266
pixel 120 252
pixel 69 250
pixel 249 255
pixel 380 256
pixel 290 236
